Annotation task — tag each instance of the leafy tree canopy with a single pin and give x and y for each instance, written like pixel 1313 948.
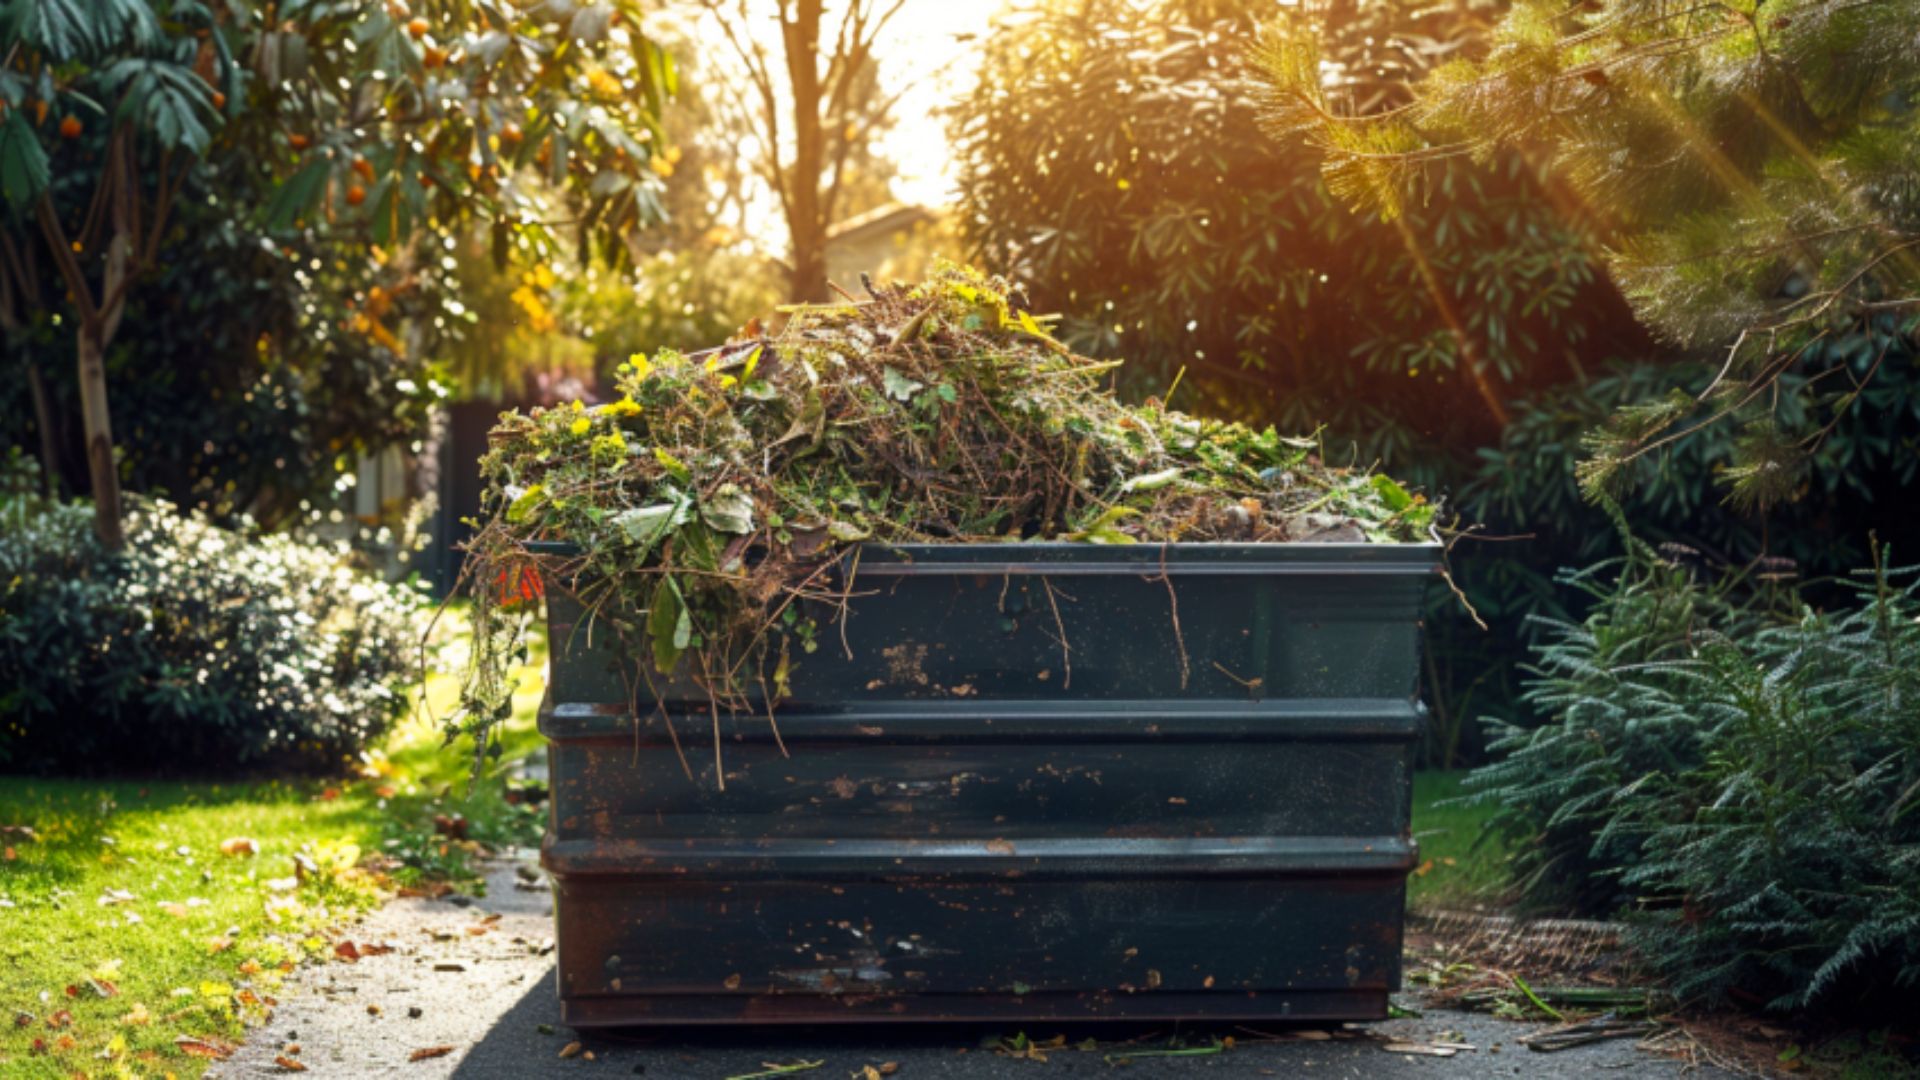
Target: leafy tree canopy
pixel 1758 159
pixel 1113 156
pixel 356 140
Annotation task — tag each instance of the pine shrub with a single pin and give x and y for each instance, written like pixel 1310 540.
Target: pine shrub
pixel 1740 773
pixel 197 650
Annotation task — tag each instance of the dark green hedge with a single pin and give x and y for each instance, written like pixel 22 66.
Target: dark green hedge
pixel 198 650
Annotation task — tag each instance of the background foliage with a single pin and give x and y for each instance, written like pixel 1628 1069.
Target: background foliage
pixel 196 650
pixel 1741 769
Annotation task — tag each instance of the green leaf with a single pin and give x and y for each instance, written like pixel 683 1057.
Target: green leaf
pixel 23 162
pixel 847 531
pixel 648 525
pixel 297 194
pixel 525 503
pixel 669 625
pixel 1151 481
pixel 1103 531
pixel 674 466
pixel 1392 495
pixel 729 510
pixel 899 387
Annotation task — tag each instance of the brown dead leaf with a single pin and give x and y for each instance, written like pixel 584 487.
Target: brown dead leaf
pixel 139 1017
pixel 428 1052
pixel 288 1064
pixel 204 1046
pixel 347 951
pixel 239 847
pixel 61 1019
pixel 572 1049
pixel 178 911
pixel 219 944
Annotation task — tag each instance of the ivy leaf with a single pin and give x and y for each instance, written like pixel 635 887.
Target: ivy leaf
pixel 899 387
pixel 669 625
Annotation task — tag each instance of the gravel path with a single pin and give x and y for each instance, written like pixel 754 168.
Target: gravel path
pixel 473 981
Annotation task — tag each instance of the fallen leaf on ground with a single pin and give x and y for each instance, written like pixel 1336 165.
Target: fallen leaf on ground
pixel 205 1046
pixel 238 846
pixel 139 1017
pixel 428 1052
pixel 1425 1049
pixel 572 1049
pixel 288 1064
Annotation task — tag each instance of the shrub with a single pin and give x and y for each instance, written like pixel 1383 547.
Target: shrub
pixel 198 649
pixel 1746 774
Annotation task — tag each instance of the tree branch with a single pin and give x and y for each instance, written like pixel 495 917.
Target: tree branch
pixel 70 272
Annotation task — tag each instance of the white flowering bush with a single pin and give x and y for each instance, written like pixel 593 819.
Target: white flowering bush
pixel 198 649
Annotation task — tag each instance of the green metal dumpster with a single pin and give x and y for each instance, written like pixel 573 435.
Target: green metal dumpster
pixel 1036 780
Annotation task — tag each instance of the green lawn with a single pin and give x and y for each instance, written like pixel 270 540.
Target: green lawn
pixel 1454 872
pixel 129 940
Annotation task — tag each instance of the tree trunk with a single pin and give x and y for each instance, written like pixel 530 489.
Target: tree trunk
pixel 807 282
pixel 806 223
pixel 49 438
pixel 98 426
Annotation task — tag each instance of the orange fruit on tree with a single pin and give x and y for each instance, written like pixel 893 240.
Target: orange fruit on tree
pixel 219 101
pixel 298 141
pixel 364 168
pixel 434 57
pixel 356 195
pixel 70 127
pixel 418 28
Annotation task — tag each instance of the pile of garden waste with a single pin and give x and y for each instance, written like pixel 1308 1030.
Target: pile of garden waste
pixel 706 507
